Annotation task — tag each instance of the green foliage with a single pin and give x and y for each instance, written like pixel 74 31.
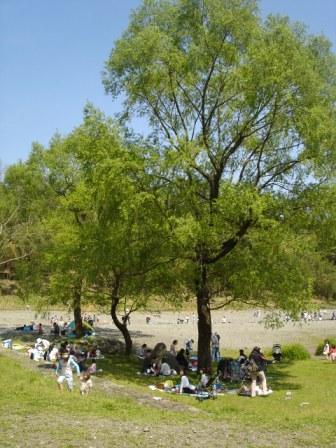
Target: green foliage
pixel 295 352
pixel 319 348
pixel 237 106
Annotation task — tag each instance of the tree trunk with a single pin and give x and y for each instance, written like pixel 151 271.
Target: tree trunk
pixel 204 320
pixel 121 326
pixel 78 313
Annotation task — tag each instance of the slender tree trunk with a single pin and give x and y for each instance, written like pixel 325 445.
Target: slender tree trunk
pixel 204 319
pixel 77 310
pixel 122 327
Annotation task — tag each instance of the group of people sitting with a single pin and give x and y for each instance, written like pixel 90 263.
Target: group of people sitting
pixel 32 327
pixel 171 363
pixel 251 370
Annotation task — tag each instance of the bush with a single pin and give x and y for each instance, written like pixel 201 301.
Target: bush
pixel 295 352
pixel 319 349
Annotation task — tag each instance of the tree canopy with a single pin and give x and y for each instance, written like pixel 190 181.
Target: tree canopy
pixel 243 113
pixel 221 201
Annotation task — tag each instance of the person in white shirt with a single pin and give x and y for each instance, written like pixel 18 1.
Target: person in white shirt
pixel 64 370
pixel 204 379
pixel 53 354
pixel 185 386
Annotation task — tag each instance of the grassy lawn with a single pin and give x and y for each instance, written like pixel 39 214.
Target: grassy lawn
pixel 305 417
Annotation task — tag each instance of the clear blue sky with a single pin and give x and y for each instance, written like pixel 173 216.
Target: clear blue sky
pixel 52 54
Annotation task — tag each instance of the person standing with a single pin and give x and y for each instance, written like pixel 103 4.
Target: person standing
pixel 64 370
pixel 215 346
pixel 258 360
pixel 189 347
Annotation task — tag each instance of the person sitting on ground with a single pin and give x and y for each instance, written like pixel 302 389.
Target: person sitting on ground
pixel 326 349
pixel 173 347
pixel 277 352
pixel 154 370
pixel 56 329
pixel 165 369
pixel 242 357
pixel 141 351
pixel 85 383
pixel 185 386
pixel 64 368
pixel 52 355
pixel 182 360
pixel 64 329
pixel 332 353
pixel 257 357
pixel 25 328
pixel 34 354
pixel 204 379
pixel 224 368
pixel 146 361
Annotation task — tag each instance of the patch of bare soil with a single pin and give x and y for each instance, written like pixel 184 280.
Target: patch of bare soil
pixel 242 329
pixel 105 433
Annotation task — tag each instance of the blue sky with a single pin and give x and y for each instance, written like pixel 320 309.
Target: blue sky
pixel 52 54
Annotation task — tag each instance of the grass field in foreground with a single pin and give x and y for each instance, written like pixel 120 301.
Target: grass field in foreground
pixel 28 397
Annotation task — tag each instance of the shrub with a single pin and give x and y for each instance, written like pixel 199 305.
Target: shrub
pixel 295 352
pixel 319 349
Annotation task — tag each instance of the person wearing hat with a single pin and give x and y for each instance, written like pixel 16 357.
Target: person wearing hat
pixel 64 368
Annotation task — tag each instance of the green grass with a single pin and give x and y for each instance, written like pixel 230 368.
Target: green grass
pixel 310 411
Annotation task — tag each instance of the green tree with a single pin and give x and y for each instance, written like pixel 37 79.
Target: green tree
pixel 21 199
pixel 128 243
pixel 242 112
pixel 48 187
pixel 314 212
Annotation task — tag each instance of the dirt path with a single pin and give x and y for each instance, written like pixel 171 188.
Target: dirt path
pixel 242 330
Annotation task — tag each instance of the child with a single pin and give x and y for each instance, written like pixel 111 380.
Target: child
pixel 64 370
pixel 86 383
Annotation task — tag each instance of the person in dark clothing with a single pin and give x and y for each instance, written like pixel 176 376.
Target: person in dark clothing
pixel 257 357
pixel 242 357
pixel 56 329
pixel 181 359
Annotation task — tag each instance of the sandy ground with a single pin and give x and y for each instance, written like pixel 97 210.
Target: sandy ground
pixel 242 330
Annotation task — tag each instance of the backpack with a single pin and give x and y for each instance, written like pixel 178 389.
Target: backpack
pixel 252 366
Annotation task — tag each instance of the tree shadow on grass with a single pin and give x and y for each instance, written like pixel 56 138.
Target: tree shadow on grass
pixel 127 368
pixel 280 377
